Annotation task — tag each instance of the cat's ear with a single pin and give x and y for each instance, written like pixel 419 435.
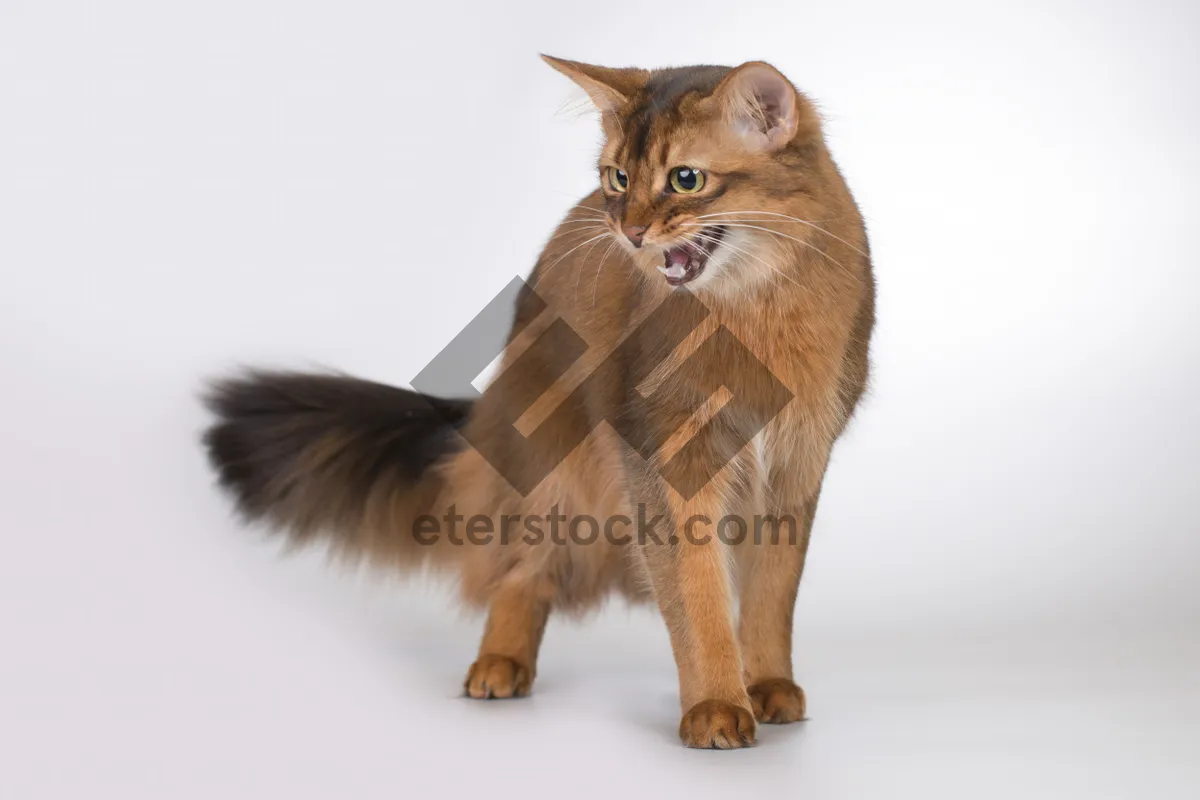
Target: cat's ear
pixel 760 104
pixel 609 88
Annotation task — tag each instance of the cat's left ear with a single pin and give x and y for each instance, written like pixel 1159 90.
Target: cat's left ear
pixel 608 87
pixel 761 105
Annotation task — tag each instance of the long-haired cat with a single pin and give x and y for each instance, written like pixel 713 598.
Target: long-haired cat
pixel 694 340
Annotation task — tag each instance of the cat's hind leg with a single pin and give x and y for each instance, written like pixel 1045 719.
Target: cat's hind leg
pixel 507 660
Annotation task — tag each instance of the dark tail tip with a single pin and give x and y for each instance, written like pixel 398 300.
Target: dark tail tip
pixel 305 451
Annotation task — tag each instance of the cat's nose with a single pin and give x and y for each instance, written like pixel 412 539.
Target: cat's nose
pixel 634 233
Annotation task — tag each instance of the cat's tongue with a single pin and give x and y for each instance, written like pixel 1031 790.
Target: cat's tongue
pixel 681 264
pixel 677 261
pixel 684 262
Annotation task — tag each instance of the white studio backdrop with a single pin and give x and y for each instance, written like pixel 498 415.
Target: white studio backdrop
pixel 187 187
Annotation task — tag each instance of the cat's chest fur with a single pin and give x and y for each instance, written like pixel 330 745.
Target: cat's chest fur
pixel 772 378
pixel 805 353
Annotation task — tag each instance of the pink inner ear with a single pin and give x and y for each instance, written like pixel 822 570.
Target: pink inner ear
pixel 763 107
pixel 773 105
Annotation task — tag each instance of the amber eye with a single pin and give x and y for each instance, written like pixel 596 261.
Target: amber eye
pixel 617 181
pixel 687 180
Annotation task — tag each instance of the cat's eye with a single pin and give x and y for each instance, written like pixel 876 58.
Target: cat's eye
pixel 687 180
pixel 618 181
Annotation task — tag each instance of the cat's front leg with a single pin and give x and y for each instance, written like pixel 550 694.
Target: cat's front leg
pixel 693 587
pixel 770 564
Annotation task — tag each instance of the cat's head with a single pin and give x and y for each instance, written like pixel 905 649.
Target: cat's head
pixel 705 170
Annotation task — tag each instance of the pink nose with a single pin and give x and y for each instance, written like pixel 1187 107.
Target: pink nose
pixel 634 233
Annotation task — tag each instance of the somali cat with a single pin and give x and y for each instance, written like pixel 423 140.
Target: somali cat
pixel 712 302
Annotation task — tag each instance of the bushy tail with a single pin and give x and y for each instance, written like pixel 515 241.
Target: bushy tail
pixel 326 456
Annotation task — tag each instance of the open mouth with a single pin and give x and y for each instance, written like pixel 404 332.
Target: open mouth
pixel 684 262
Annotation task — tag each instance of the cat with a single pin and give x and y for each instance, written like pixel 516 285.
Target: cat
pixel 712 301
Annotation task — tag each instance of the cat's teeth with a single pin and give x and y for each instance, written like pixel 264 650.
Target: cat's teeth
pixel 673 271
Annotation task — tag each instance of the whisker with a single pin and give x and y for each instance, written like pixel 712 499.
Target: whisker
pixel 809 245
pixel 746 253
pixel 572 250
pixel 585 218
pixel 583 259
pixel 582 231
pixel 600 268
pixel 575 197
pixel 792 219
pixel 583 221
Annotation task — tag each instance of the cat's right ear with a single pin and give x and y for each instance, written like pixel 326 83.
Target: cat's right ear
pixel 609 88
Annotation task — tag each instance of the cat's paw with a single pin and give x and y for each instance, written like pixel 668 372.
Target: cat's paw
pixel 776 701
pixel 497 677
pixel 717 724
